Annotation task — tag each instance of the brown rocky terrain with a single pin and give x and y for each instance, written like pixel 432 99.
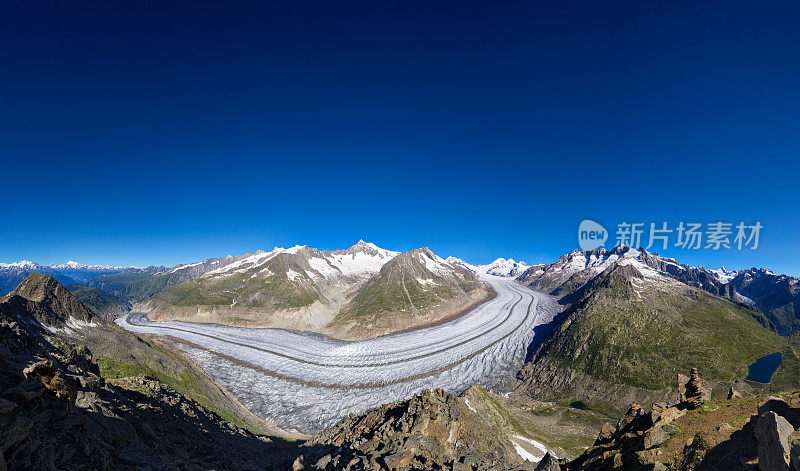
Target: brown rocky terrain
pixel 432 430
pixel 698 432
pixel 48 302
pixel 58 412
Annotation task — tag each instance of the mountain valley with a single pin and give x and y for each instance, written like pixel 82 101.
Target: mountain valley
pixel 372 359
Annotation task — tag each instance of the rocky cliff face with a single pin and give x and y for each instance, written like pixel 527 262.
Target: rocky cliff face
pixel 778 296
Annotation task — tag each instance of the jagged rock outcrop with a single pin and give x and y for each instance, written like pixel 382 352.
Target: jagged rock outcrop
pixel 772 433
pixel 549 463
pixel 635 441
pixel 428 431
pixel 699 436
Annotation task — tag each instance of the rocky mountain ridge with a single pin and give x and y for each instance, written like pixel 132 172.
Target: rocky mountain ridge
pixel 338 293
pixel 412 289
pixel 777 296
pixel 575 268
pixel 41 299
pixel 628 325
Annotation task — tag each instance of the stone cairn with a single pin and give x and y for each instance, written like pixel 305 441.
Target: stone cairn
pixel 695 394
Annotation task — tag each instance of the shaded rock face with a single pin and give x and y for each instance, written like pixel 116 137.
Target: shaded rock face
pixel 425 432
pixel 772 433
pixel 548 463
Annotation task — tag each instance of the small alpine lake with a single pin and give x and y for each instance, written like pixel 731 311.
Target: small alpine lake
pixel 761 370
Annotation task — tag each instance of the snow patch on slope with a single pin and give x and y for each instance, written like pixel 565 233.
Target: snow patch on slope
pixel 723 275
pixel 539 449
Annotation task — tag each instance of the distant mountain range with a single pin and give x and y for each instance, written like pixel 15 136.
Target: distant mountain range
pixel 500 267
pixel 631 321
pixel 324 284
pixel 777 296
pixel 12 274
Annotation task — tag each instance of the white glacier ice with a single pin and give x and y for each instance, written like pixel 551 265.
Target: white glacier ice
pixel 308 382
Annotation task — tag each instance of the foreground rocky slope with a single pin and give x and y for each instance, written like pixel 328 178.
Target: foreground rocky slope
pixel 698 432
pixel 58 412
pixel 65 320
pixel 432 430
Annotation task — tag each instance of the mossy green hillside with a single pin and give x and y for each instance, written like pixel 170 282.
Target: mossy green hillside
pixel 100 301
pixel 623 331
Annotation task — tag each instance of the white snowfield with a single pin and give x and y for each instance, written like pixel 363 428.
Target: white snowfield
pixel 308 382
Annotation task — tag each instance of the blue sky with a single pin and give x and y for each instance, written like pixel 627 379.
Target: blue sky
pixel 166 132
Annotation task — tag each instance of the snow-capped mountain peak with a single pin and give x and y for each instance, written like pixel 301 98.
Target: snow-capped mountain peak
pixel 73 265
pixel 503 267
pixel 461 263
pixel 724 275
pixel 500 267
pixel 22 264
pixel 360 260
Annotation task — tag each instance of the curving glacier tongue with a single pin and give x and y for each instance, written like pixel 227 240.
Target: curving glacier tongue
pixel 308 382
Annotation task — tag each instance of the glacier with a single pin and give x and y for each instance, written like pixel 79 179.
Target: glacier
pixel 307 382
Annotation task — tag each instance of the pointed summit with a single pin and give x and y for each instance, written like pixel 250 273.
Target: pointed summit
pixel 369 248
pixel 50 302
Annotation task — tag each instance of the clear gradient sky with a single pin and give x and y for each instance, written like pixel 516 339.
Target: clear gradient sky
pixel 164 132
